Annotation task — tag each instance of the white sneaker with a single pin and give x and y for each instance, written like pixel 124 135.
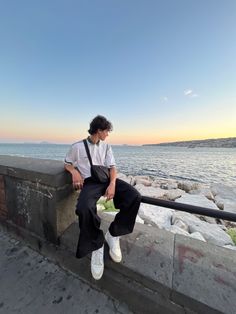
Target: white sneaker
pixel 97 263
pixel 114 245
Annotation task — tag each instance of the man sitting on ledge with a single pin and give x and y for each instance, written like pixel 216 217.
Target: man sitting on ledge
pixel 125 197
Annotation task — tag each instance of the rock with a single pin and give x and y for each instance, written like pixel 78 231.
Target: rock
pixel 198 200
pixel 132 180
pixel 225 197
pixel 187 218
pixel 169 185
pixel 224 191
pixel 204 191
pixel 178 230
pixel 212 233
pixel 188 185
pixel 219 202
pixel 124 177
pixel 231 247
pixel 150 191
pixel 228 205
pixel 198 236
pixel 223 227
pixel 145 182
pixel 156 215
pixel 156 184
pixel 180 224
pixel 139 220
pixel 142 177
pixel 172 195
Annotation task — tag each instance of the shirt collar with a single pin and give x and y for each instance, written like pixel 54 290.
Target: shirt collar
pixel 89 140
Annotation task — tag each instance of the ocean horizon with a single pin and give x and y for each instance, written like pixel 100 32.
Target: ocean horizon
pixel 204 165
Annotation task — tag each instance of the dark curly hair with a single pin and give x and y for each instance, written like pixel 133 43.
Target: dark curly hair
pixel 99 123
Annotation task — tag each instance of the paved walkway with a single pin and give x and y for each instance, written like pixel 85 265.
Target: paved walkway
pixel 30 283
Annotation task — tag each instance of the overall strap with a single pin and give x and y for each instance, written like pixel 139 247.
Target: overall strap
pixel 87 151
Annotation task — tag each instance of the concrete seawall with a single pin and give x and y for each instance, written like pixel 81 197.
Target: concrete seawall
pixel 160 272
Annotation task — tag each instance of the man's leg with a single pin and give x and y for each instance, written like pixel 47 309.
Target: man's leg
pixel 127 199
pixel 91 236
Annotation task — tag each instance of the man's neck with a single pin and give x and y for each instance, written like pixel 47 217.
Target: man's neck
pixel 94 138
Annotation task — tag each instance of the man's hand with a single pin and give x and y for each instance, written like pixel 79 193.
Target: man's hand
pixel 77 180
pixel 110 191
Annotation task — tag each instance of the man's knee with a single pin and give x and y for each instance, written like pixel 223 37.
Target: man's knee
pixel 84 207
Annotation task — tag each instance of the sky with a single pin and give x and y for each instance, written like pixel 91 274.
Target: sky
pixel 159 70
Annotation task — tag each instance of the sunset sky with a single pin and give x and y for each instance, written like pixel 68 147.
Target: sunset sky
pixel 159 70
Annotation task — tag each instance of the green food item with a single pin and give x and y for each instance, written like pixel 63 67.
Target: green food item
pixel 109 205
pixel 232 233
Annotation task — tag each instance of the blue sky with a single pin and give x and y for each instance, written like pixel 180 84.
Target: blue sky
pixel 159 70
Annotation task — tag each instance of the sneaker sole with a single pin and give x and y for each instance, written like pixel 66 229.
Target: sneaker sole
pixel 97 277
pixel 115 258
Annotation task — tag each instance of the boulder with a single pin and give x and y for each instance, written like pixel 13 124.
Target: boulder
pixel 181 224
pixel 223 191
pixel 188 185
pixel 150 191
pixel 178 230
pixel 172 195
pixel 198 236
pixel 156 184
pixel 156 215
pixel 201 201
pixel 228 205
pixel 204 191
pixel 124 177
pixel 132 180
pixel 186 218
pixel 212 233
pixel 225 197
pixel 219 202
pixel 231 247
pixel 139 220
pixel 145 182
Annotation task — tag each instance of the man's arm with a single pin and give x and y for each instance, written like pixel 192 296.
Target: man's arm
pixel 113 174
pixel 110 191
pixel 77 179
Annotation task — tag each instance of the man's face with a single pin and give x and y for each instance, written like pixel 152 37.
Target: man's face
pixel 102 134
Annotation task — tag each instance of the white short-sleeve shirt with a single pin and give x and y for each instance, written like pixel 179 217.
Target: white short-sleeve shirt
pixel 101 154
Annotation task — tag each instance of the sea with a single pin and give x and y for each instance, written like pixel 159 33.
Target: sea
pixel 203 165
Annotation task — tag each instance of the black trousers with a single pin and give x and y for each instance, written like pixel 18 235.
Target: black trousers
pixel 91 237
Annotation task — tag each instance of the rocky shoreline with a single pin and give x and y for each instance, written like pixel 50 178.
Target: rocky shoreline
pixel 204 228
pixel 229 142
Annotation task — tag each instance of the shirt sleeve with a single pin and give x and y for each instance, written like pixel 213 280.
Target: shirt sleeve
pixel 71 156
pixel 109 160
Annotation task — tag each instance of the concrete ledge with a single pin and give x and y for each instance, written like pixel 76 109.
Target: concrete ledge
pixel 153 259
pixel 41 171
pixel 160 272
pixel 37 195
pixel 204 272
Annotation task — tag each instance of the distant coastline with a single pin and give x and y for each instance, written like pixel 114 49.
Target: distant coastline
pixel 229 142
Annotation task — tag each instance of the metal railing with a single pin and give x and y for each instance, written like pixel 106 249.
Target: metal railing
pixel 220 214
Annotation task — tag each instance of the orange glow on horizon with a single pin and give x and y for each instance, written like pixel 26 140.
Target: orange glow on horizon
pixel 69 136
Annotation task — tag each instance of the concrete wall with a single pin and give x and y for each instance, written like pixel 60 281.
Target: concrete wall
pixel 36 195
pixel 160 272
